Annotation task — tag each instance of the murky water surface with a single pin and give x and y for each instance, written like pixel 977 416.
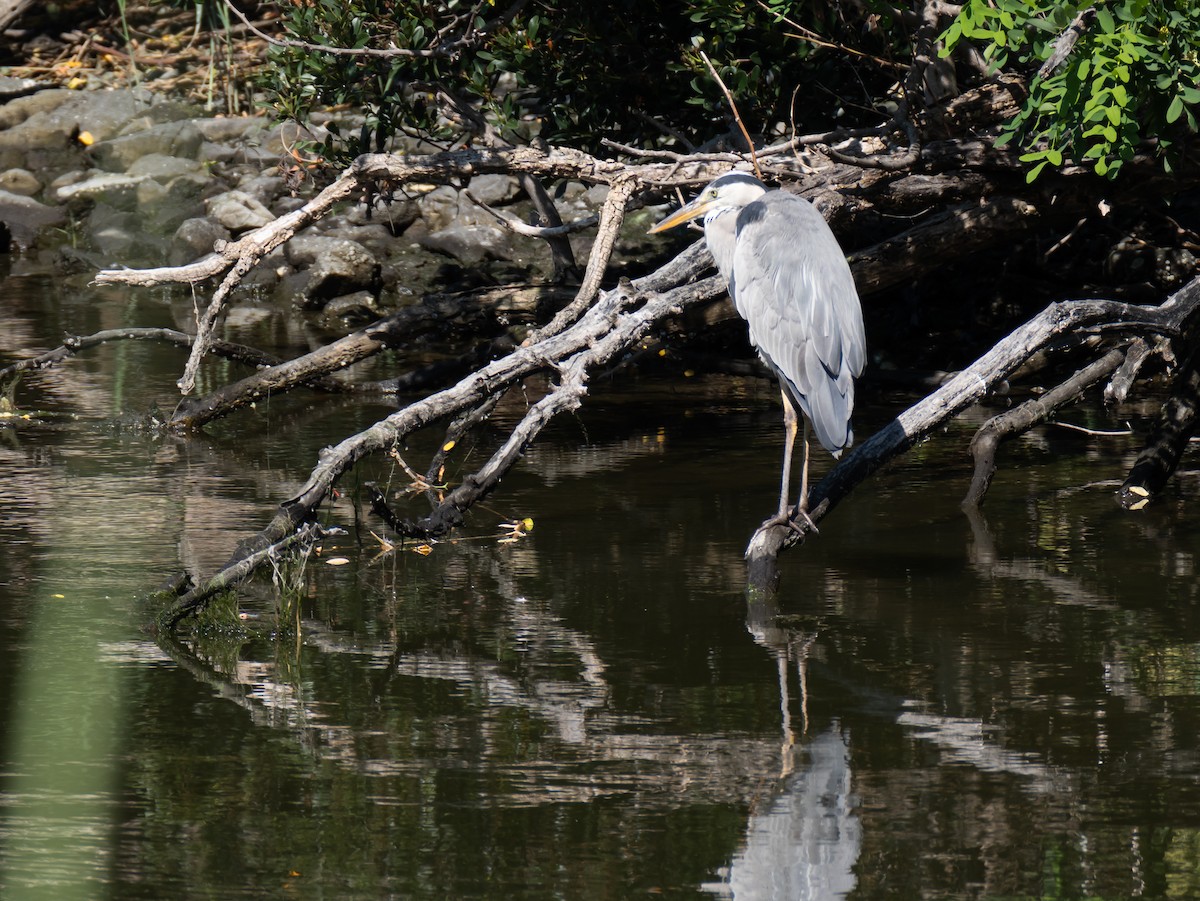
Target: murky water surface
pixel 932 707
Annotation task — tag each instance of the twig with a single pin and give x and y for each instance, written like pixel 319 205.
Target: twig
pixel 533 231
pixel 1065 43
pixel 737 117
pixel 1095 433
pixel 76 343
pixel 1022 418
pixel 805 34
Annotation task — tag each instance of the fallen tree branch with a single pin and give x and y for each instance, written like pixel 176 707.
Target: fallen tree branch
pixel 190 603
pixel 969 386
pixel 1022 418
pixel 605 330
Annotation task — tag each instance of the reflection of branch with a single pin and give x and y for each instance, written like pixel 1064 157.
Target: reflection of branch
pixel 236 572
pixel 75 343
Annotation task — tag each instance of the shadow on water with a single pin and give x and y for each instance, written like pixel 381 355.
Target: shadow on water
pixel 931 706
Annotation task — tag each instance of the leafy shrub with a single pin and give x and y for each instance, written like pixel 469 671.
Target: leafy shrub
pixel 1133 75
pixel 574 70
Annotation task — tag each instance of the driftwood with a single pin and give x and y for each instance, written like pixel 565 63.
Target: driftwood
pixel 598 327
pixel 609 327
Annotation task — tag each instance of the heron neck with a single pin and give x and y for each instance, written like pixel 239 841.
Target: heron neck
pixel 720 233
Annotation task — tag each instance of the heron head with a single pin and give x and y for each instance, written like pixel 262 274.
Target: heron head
pixel 731 191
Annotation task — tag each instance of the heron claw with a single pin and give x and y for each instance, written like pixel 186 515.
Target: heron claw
pixel 787 519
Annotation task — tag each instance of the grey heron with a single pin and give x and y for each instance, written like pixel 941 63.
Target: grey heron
pixel 790 281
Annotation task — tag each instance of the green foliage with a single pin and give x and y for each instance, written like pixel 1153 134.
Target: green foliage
pixel 570 70
pixel 1132 76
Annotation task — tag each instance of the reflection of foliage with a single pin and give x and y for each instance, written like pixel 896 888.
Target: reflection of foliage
pixel 1183 863
pixel 1131 76
pixel 1173 670
pixel 580 71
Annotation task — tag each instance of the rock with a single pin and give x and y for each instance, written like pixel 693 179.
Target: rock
pixel 162 168
pixel 335 267
pixel 439 207
pixel 44 139
pixel 166 206
pixel 358 308
pixel 194 239
pixel 469 244
pixel 265 188
pixel 24 217
pixel 181 139
pixel 228 129
pixel 494 190
pixel 20 181
pixel 395 216
pixel 594 197
pixel 17 111
pixel 238 211
pixel 11 87
pixel 120 236
pixel 119 191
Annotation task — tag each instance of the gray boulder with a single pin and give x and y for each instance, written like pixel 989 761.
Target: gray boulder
pixel 238 211
pixel 335 267
pixel 469 244
pixel 179 139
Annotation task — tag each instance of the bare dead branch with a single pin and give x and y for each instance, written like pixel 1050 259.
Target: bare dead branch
pixel 1022 418
pixel 1176 424
pixel 611 217
pixel 1136 356
pixel 610 326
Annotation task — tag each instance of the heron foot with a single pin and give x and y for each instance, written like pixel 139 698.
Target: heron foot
pixel 786 518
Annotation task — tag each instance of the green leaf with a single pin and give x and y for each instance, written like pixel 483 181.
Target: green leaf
pixel 1175 110
pixel 1105 20
pixel 1034 172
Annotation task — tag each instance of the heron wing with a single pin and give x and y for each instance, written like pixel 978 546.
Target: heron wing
pixel 791 283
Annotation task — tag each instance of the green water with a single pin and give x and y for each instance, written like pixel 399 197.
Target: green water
pixel 931 708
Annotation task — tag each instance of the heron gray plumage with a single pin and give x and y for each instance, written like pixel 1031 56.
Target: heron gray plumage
pixel 790 281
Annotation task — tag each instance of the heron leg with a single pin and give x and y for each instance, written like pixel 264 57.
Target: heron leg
pixel 790 425
pixel 802 503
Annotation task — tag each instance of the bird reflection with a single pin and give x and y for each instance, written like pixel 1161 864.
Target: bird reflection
pixel 803 839
pixel 804 843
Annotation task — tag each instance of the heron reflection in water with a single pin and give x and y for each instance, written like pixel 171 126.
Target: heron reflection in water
pixel 790 281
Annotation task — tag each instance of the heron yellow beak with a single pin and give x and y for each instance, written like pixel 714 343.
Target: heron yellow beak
pixel 686 213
